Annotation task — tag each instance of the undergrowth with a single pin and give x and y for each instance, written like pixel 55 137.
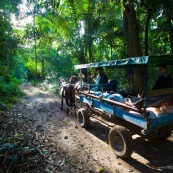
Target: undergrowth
pixel 50 84
pixel 10 92
pixel 16 153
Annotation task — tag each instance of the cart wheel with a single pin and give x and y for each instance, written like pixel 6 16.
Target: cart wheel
pixel 121 141
pixel 164 132
pixel 83 117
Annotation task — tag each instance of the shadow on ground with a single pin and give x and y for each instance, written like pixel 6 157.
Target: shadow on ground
pixel 158 154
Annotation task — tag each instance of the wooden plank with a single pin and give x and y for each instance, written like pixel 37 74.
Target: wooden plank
pixel 159 92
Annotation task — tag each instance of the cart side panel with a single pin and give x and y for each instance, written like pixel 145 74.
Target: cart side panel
pixel 133 118
pixel 161 120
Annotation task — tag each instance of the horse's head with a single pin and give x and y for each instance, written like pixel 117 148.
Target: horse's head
pixel 80 85
pixel 61 81
pixel 73 80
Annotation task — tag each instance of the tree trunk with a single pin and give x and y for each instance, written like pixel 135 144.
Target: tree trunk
pixel 42 75
pixel 82 60
pixel 171 35
pixel 111 49
pixel 170 38
pixel 90 49
pixel 133 43
pixel 35 45
pixel 8 42
pixel 84 70
pixel 146 31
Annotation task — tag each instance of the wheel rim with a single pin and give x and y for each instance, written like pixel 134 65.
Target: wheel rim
pixel 80 117
pixel 118 143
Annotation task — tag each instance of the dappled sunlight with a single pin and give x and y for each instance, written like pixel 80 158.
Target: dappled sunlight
pixel 37 95
pixel 88 149
pixel 83 128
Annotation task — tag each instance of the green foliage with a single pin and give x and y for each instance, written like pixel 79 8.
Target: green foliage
pixel 11 145
pixel 73 32
pixel 31 66
pixel 34 83
pixel 4 73
pixel 18 70
pixel 9 91
pixel 8 41
pixel 50 83
pixel 15 81
pixel 15 152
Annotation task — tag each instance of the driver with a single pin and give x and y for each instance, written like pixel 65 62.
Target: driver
pixel 101 77
pixel 164 80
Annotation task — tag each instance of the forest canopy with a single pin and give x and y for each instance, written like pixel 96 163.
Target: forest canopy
pixel 44 39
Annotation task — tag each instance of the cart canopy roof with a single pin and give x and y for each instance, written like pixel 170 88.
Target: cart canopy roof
pixel 131 62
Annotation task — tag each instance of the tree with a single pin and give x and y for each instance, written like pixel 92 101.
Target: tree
pixel 8 39
pixel 133 42
pixel 91 31
pixel 168 24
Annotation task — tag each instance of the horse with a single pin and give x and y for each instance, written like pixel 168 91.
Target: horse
pixel 70 91
pixel 80 86
pixel 67 92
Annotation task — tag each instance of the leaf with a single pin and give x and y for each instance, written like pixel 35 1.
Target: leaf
pixel 27 148
pixel 14 158
pixel 5 125
pixel 2 148
pixel 18 135
pixel 65 123
pixel 6 145
pixel 101 170
pixel 12 146
pixel 32 149
pixel 44 152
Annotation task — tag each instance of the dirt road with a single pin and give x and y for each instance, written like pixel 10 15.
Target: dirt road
pixel 71 148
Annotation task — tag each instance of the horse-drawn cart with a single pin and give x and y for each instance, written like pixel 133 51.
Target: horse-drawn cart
pixel 155 118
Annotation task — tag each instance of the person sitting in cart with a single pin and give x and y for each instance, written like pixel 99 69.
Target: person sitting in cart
pixel 101 77
pixel 164 80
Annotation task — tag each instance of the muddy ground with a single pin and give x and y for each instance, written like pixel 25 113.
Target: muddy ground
pixel 71 148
